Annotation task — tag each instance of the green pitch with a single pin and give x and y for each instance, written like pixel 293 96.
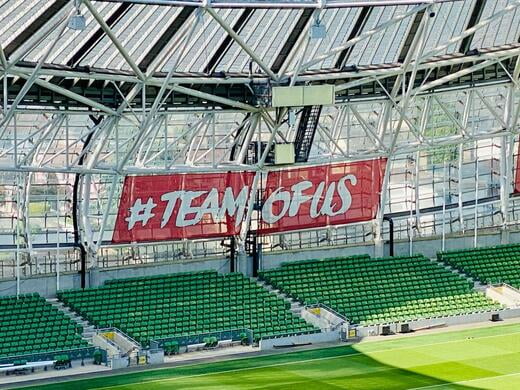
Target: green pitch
pixel 483 358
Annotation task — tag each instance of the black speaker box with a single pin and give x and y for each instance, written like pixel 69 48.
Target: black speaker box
pixel 495 317
pixel 405 328
pixel 385 330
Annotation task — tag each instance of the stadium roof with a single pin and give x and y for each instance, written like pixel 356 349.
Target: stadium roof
pixel 225 46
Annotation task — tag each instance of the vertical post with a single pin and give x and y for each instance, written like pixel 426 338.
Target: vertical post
pixel 143 101
pixel 75 206
pixel 67 157
pixel 57 239
pixel 505 180
pixel 378 225
pixel 17 257
pixel 255 254
pixel 459 187
pixel 166 141
pixel 214 141
pixel 348 129
pixel 391 234
pixel 506 165
pixel 232 254
pixel 475 232
pixel 15 136
pixel 5 93
pixel 410 233
pixel 411 219
pixel 417 194
pixel 443 246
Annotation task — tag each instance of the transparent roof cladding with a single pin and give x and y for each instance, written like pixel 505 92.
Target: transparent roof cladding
pixel 164 35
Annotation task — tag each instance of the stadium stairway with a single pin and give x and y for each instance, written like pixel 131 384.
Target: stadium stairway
pixel 118 344
pixel 327 320
pixel 488 265
pixel 114 341
pixel 476 283
pixel 372 291
pixel 33 328
pixel 187 305
pixel 88 329
pixel 296 307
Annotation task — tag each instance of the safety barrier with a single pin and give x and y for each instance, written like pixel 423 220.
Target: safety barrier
pixel 74 354
pixel 184 341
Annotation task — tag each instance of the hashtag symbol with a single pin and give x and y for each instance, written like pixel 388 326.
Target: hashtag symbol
pixel 140 212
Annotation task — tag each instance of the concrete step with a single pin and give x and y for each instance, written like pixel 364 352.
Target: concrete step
pixel 476 284
pixel 296 307
pixel 89 330
pixel 121 341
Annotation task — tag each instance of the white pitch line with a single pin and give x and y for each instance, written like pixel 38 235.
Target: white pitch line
pixel 308 360
pixel 466 381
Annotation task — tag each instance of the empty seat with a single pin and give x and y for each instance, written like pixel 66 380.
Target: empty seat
pixel 489 265
pixel 375 291
pixel 183 304
pixel 29 325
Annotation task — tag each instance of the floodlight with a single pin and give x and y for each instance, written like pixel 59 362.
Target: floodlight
pixel 318 30
pixel 77 22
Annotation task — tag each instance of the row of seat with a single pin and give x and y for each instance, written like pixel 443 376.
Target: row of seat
pixel 30 325
pixel 185 304
pixel 375 291
pixel 491 265
pixel 366 290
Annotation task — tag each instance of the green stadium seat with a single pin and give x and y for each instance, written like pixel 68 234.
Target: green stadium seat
pixel 182 304
pixel 30 325
pixel 377 291
pixel 489 265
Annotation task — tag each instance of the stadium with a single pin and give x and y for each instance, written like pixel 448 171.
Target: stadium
pixel 287 194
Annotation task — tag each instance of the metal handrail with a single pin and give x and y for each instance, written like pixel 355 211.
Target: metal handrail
pixel 500 284
pixel 322 305
pixel 165 339
pixel 27 356
pixel 114 329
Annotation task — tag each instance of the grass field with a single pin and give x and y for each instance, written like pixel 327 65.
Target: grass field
pixel 484 358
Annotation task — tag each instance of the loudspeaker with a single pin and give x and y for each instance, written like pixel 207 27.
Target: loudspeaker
pixel 385 330
pixel 495 317
pixel 405 328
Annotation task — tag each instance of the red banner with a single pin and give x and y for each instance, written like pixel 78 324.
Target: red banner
pixel 170 207
pixel 318 196
pixel 178 206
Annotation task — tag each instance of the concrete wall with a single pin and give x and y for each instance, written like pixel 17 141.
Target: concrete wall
pixel 427 246
pixel 46 285
pixel 314 338
pixel 274 259
pixel 100 275
pixel 440 321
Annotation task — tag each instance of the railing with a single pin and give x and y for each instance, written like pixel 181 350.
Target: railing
pixel 117 330
pixel 502 284
pixel 328 308
pixel 111 343
pixel 74 354
pixel 233 334
pixel 291 334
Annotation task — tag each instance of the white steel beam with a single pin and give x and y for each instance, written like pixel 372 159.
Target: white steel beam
pixel 290 4
pixel 241 43
pixel 361 37
pixel 114 39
